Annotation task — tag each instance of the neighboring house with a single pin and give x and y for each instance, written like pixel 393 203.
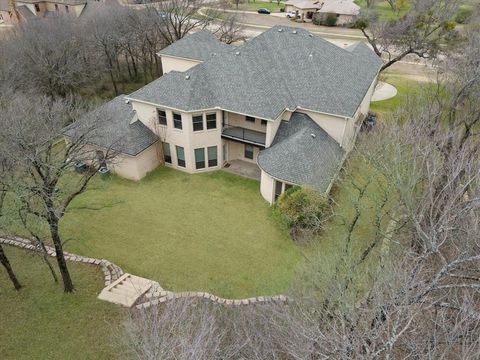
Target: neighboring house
pixel 6 16
pixel 35 9
pixel 345 10
pixel 286 106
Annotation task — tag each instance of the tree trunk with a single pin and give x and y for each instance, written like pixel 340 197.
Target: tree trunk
pixel 62 264
pixel 8 267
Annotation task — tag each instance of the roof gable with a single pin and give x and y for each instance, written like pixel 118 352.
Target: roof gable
pixel 200 46
pixel 281 68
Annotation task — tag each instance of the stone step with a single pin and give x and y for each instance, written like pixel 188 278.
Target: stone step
pixel 126 290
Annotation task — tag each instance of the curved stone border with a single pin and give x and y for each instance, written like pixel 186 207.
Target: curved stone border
pixel 156 295
pixel 111 271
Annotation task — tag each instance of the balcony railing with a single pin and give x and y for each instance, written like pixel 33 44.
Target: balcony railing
pixel 244 135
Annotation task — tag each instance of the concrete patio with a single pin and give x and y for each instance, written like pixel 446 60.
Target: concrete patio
pixel 243 168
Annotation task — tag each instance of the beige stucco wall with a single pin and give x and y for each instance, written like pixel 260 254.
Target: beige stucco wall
pixel 236 151
pixel 186 137
pixel 5 18
pixel 136 167
pixel 176 64
pixel 267 187
pixel 234 119
pixel 75 10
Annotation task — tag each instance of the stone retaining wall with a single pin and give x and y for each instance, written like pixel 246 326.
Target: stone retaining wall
pixel 111 271
pixel 156 295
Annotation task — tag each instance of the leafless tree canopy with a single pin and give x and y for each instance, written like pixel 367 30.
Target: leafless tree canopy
pixel 423 31
pixel 415 292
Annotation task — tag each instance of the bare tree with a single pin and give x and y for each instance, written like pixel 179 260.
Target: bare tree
pixel 50 57
pixel 421 32
pixel 43 183
pixel 9 270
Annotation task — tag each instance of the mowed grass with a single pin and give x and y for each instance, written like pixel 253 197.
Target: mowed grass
pixel 385 11
pixel 41 322
pixel 405 87
pixel 254 6
pixel 206 232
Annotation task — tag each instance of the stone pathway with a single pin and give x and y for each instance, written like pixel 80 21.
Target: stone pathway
pixel 130 290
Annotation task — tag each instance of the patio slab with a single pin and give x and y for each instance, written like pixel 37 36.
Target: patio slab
pixel 243 168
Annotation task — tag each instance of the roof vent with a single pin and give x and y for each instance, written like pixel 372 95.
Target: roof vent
pixel 187 77
pixel 280 30
pixel 237 53
pixel 127 101
pixel 313 135
pixel 311 35
pixel 214 54
pixel 310 56
pixel 294 31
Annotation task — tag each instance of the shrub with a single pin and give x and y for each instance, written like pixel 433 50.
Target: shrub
pixel 463 15
pixel 282 9
pixel 325 19
pixel 305 211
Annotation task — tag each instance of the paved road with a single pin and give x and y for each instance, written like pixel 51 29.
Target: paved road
pixel 258 21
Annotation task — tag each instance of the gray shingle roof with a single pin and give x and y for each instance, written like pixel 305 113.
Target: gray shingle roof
pixel 281 68
pixel 201 46
pixel 113 128
pixel 297 157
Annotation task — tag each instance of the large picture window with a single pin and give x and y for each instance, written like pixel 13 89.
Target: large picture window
pixel 180 156
pixel 167 155
pixel 248 151
pixel 211 121
pixel 212 156
pixel 200 158
pixel 177 121
pixel 197 122
pixel 162 117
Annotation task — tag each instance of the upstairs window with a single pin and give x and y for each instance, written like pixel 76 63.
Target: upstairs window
pixel 200 158
pixel 37 8
pixel 177 121
pixel 250 119
pixel 162 117
pixel 197 122
pixel 211 121
pixel 264 122
pixel 66 8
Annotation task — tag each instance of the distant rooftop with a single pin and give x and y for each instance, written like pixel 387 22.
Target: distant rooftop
pixel 282 68
pixel 200 46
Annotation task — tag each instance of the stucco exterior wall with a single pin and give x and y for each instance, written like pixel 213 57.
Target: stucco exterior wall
pixel 233 119
pixel 176 64
pixel 5 18
pixel 267 187
pixel 346 19
pixel 334 126
pixel 186 137
pixel 236 151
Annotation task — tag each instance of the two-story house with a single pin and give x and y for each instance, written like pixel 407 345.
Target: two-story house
pixel 287 104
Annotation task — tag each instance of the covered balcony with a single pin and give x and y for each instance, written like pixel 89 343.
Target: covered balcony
pixel 243 135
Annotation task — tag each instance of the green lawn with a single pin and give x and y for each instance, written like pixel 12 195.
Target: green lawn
pixel 254 6
pixel 405 87
pixel 41 322
pixel 207 232
pixel 385 11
